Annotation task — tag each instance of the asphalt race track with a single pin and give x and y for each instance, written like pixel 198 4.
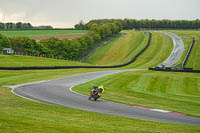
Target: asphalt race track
pixel 177 51
pixel 59 92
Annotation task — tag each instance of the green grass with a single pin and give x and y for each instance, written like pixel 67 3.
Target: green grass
pixel 194 58
pixel 22 61
pixel 35 33
pixel 166 90
pixel 22 115
pixel 120 50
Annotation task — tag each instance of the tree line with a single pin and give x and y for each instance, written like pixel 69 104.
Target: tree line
pixel 73 49
pixel 147 24
pixel 20 25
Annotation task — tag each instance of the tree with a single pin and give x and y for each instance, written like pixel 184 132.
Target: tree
pixel 50 44
pixel 19 25
pixel 4 42
pixel 81 26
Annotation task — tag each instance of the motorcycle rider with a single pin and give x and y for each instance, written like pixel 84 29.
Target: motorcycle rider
pixel 96 90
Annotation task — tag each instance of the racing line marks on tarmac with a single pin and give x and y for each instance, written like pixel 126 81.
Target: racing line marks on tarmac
pixel 159 110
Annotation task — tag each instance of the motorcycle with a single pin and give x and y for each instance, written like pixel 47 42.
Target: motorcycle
pixel 94 95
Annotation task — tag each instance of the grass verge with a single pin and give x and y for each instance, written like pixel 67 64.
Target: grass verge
pixel 22 61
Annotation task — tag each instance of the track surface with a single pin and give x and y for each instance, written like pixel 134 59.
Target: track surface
pixel 59 92
pixel 177 51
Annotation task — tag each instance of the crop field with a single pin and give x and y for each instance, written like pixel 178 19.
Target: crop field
pixel 36 33
pixel 175 91
pixel 44 34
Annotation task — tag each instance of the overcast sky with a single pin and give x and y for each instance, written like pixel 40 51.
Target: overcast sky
pixel 67 13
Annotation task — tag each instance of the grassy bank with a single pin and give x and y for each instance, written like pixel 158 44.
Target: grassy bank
pixel 34 33
pixel 159 50
pixel 123 49
pixel 169 91
pixel 119 50
pixel 21 61
pixel 22 115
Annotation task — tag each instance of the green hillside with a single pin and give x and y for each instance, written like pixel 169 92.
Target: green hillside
pixel 123 49
pixel 120 50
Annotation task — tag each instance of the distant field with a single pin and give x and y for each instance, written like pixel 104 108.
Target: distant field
pixel 194 59
pixel 36 33
pixel 22 61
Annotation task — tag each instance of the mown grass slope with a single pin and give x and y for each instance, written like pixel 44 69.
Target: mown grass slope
pixel 120 50
pixel 194 58
pixel 22 61
pixel 34 33
pixel 166 90
pixel 123 49
pixel 22 115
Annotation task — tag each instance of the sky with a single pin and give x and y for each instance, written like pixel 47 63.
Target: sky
pixel 67 13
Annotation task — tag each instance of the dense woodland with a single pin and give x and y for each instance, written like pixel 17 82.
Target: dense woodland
pixel 147 24
pixel 98 30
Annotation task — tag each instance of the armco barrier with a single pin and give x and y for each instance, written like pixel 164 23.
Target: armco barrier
pixel 175 69
pixel 70 67
pixel 188 53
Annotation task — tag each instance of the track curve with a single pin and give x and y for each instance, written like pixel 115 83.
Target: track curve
pixel 59 92
pixel 177 51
